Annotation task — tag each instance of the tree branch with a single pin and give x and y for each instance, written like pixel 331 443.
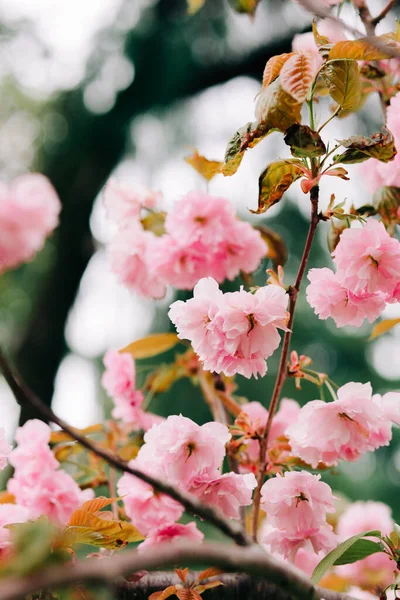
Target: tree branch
pixel 282 370
pixel 24 395
pixel 385 11
pixel 253 561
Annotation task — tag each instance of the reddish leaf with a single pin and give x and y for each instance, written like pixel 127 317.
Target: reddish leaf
pixel 274 66
pixel 169 591
pixel 182 574
pixel 297 75
pixel 210 572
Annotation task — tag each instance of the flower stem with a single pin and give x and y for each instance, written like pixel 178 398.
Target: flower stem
pixel 282 370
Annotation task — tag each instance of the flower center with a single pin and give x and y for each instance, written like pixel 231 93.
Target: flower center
pixel 200 219
pixel 301 498
pixel 252 322
pixel 375 263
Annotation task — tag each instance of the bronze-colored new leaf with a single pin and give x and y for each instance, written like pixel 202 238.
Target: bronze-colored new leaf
pixel 297 75
pixel 303 141
pixel 276 109
pixel 277 250
pixel 151 345
pixel 343 81
pixel 155 222
pixel 275 180
pixel 98 529
pixel 163 595
pixel 193 6
pixel 320 40
pixel 274 66
pixel 245 137
pixel 380 146
pixel 97 504
pixel 386 202
pixel 369 48
pixel 247 7
pixel 207 168
pixel 383 327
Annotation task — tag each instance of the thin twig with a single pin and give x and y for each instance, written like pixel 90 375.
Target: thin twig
pixel 24 395
pixel 384 12
pixel 282 370
pixel 252 561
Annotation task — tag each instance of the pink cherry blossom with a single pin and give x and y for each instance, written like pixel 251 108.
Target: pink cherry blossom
pixel 368 259
pixel 390 404
pixel 180 265
pixel 29 209
pixel 241 250
pixel 33 456
pixel 172 533
pixel 5 450
pixel 227 492
pixel 356 592
pixel 148 510
pixel 9 514
pixel 326 432
pixel 184 450
pixel 123 202
pixel 233 332
pixel 296 505
pixel 330 298
pixel 119 380
pixel 375 570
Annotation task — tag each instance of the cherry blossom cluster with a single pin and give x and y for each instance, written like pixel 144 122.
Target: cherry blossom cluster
pixel 233 332
pixel 202 238
pixel 367 276
pixel 29 209
pixel 38 485
pixel 119 380
pixel 188 456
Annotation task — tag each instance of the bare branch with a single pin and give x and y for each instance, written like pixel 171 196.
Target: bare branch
pixel 24 395
pixel 385 11
pixel 252 561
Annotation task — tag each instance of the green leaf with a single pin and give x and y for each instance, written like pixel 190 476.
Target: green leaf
pixel 275 180
pixel 245 6
pixel 336 555
pixel 383 327
pixel 380 146
pixel 343 81
pixel 368 48
pixel 386 202
pixel 303 141
pixel 359 550
pixel 245 137
pixel 277 250
pixel 151 345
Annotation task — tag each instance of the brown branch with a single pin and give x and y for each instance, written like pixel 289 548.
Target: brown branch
pixel 282 370
pixel 24 395
pixel 385 11
pixel 253 561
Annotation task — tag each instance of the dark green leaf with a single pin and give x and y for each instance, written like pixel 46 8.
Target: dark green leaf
pixel 303 141
pixel 380 146
pixel 359 550
pixel 331 559
pixel 274 182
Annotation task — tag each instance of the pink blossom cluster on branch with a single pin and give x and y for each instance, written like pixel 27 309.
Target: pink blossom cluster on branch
pixel 367 277
pixel 202 238
pixel 29 209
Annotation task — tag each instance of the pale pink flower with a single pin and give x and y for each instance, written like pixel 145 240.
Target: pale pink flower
pixel 304 43
pixel 124 203
pixel 9 514
pixel 119 380
pixel 172 533
pixel 5 450
pixel 33 456
pixel 131 256
pixel 330 298
pixel 375 570
pixel 29 209
pixel 390 404
pixel 306 560
pixel 368 259
pixel 147 509
pixel 180 265
pixel 296 505
pixel 356 592
pixel 184 450
pixel 241 250
pixel 233 332
pixel 326 432
pixel 227 492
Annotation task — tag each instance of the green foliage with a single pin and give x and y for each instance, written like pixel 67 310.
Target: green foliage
pixel 380 146
pixel 304 142
pixel 275 180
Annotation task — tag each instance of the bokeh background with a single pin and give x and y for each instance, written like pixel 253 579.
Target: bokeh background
pixel 127 88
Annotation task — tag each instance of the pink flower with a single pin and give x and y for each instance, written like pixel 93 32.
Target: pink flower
pixel 29 209
pixel 33 456
pixel 180 265
pixel 242 250
pixel 124 203
pixel 147 509
pixel 233 332
pixel 304 43
pixel 172 533
pixel 296 505
pixel 5 450
pixel 330 298
pixel 9 514
pixel 390 404
pixel 228 492
pixel 119 380
pixel 356 592
pixel 368 259
pixel 375 570
pixel 131 255
pixel 353 424
pixel 183 449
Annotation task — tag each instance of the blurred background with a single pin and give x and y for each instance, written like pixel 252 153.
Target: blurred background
pixel 127 88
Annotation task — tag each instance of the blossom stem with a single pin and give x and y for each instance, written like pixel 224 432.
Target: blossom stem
pixel 282 370
pixel 24 395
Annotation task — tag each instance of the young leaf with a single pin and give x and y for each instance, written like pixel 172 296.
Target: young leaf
pixel 152 345
pixel 154 222
pixel 89 528
pixel 210 572
pixel 303 141
pixel 363 49
pixel 383 327
pixel 386 202
pixel 275 108
pixel 330 559
pixel 245 6
pixel 207 168
pixel 7 498
pixel 274 66
pixel 194 6
pixel 277 250
pixel 359 550
pixel 97 503
pixel 297 75
pixel 343 80
pixel 245 137
pixel 275 180
pixel 167 593
pixel 380 146
pixel 320 40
